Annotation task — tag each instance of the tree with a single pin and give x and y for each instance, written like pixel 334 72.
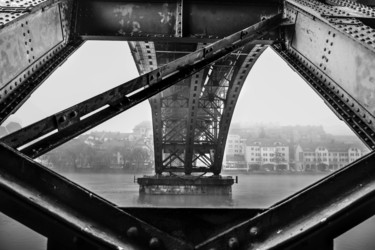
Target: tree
pixel 139 155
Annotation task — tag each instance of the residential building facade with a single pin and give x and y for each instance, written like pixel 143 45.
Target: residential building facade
pixel 326 156
pixel 267 154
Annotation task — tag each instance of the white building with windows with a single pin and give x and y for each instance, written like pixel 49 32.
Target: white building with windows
pixel 268 154
pixel 326 156
pixel 235 145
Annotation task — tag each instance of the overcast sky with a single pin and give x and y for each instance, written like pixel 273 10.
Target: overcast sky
pixel 272 93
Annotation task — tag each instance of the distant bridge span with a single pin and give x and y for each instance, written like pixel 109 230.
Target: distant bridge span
pixel 193 57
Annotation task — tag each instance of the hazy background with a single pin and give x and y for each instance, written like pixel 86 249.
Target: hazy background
pixel 272 93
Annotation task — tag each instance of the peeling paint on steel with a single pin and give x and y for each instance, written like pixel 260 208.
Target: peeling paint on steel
pixel 26 41
pixel 127 19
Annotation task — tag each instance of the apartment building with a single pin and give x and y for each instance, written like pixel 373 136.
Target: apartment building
pixel 268 154
pixel 326 156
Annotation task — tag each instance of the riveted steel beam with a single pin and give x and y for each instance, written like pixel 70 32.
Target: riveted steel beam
pixel 324 210
pixel 68 213
pixel 156 20
pixel 239 76
pixel 195 90
pixel 87 114
pixel 157 125
pixel 341 51
pixel 336 54
pixel 34 40
pixel 331 94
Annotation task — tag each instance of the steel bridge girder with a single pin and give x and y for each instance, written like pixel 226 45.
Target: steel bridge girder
pixel 34 39
pixel 155 20
pixel 338 51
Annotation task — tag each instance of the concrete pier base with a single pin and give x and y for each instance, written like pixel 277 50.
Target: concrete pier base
pixel 186 185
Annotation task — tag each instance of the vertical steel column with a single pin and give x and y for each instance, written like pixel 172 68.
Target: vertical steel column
pixel 157 125
pixel 195 90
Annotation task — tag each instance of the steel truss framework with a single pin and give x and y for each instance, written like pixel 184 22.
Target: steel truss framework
pixel 193 88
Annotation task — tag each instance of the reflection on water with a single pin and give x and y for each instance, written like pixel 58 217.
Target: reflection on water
pixel 185 200
pixel 252 191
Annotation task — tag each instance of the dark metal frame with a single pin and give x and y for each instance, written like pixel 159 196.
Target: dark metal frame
pixel 309 219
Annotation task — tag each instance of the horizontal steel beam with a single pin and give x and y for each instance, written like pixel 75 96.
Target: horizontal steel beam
pixel 87 114
pixel 156 20
pixel 322 211
pixel 61 210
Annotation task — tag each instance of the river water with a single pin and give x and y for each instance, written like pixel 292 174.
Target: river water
pixel 252 191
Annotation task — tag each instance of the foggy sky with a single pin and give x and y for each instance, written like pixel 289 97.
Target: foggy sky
pixel 272 93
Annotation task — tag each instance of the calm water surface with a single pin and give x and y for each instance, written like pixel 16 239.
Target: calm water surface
pixel 253 191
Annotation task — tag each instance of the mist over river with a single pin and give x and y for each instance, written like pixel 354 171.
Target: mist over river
pixel 252 191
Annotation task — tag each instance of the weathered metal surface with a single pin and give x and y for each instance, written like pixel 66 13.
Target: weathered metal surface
pixel 337 63
pixel 157 126
pixel 342 51
pixel 70 122
pixel 19 95
pixel 185 185
pixel 331 94
pixel 64 211
pixel 26 41
pixel 157 20
pixel 202 20
pixel 321 211
pixel 235 85
pixel 182 222
pixel 196 84
pixel 129 18
pixel 33 36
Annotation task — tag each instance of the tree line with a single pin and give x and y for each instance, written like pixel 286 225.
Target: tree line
pixel 76 154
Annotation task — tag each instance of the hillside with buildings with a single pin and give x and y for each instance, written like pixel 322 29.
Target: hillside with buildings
pixel 256 148
pixel 105 151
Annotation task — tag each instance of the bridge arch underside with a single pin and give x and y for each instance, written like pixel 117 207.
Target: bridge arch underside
pixel 191 119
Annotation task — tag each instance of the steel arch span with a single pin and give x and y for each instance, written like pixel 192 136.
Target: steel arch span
pixel 193 57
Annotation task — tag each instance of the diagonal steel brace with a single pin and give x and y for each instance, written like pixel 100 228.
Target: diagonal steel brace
pixel 67 213
pixel 96 110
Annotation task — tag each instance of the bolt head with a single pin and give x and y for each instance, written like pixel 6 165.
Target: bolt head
pixel 233 243
pixel 132 232
pixel 253 231
pixel 62 119
pixel 154 243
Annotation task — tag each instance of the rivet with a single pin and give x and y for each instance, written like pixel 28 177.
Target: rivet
pixel 233 243
pixel 73 114
pixel 254 231
pixel 154 243
pixel 132 232
pixel 62 119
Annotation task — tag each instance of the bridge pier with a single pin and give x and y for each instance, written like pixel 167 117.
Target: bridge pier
pixel 186 185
